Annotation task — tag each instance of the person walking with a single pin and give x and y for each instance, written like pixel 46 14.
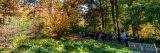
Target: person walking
pixel 124 37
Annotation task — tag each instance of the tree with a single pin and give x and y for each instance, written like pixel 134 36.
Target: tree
pixel 8 7
pixel 144 14
pixel 113 14
pixel 117 21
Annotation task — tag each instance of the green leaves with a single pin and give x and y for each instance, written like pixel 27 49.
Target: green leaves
pixel 143 13
pixel 66 46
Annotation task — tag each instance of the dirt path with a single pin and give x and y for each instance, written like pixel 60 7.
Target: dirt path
pixel 8 29
pixel 74 37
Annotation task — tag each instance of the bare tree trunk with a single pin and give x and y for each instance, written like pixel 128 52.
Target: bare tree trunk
pixel 133 31
pixel 117 21
pixel 52 8
pixel 113 15
pixel 103 26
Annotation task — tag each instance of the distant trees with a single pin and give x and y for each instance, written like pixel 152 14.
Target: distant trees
pixel 7 8
pixel 99 15
pixel 139 13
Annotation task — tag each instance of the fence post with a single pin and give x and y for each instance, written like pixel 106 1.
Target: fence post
pixel 142 49
pixel 155 48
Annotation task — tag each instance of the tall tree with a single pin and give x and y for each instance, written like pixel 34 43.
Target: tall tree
pixel 117 21
pixel 113 15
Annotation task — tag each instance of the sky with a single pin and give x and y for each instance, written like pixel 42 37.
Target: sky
pixel 62 1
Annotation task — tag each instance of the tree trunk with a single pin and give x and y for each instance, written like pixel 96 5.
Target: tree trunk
pixel 101 15
pixel 135 32
pixel 117 21
pixel 113 15
pixel 134 27
pixel 52 8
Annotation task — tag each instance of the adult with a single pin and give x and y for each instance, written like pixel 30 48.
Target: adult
pixel 124 37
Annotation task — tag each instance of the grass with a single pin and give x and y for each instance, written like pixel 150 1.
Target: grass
pixel 45 45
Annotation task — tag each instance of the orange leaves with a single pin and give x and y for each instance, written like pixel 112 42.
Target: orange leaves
pixel 52 35
pixel 62 18
pixel 57 23
pixel 84 1
pixel 24 12
pixel 60 21
pixel 70 1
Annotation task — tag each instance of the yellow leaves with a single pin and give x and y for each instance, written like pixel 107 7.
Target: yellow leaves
pixel 58 5
pixel 23 12
pixel 45 2
pixel 62 19
pixel 146 31
pixel 48 24
pixel 57 23
pixel 82 22
pixel 18 39
pixel 43 14
pixel 60 47
pixel 11 4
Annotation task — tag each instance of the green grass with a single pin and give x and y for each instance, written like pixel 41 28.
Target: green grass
pixel 65 46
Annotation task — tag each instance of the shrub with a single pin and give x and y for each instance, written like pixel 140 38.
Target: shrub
pixel 18 39
pixel 66 46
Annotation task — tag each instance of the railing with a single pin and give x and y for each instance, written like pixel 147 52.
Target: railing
pixel 144 48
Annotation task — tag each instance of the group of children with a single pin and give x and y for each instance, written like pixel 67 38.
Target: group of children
pixel 104 36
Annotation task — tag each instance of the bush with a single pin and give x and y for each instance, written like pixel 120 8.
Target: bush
pixel 24 24
pixel 18 39
pixel 37 49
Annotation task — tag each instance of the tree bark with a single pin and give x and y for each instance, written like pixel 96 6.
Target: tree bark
pixel 52 8
pixel 113 15
pixel 101 15
pixel 117 21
